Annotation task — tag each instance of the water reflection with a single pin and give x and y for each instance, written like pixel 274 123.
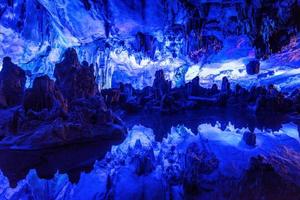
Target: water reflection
pixel 76 158
pixel 161 124
pixel 72 160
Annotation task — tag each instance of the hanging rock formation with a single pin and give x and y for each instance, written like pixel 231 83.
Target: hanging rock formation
pixel 253 67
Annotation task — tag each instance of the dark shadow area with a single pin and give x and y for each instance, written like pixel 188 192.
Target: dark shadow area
pixel 70 159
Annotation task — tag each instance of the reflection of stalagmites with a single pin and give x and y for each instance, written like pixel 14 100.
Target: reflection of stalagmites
pixel 2 99
pixel 43 95
pixel 198 162
pixel 249 138
pixel 253 67
pixel 75 80
pixel 262 180
pixel 142 159
pixel 12 83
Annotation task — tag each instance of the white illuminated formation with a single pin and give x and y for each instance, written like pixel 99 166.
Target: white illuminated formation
pixel 36 33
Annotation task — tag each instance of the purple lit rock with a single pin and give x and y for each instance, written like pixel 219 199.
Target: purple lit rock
pixel 253 67
pixel 43 95
pixel 225 88
pixel 75 80
pixel 160 85
pixel 12 84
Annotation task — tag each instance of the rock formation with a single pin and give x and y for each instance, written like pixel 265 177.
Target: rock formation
pixel 47 119
pixel 75 80
pixel 249 138
pixel 43 95
pixel 160 85
pixel 12 84
pixel 253 67
pixel 225 87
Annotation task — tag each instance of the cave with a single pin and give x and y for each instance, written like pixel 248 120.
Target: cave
pixel 149 99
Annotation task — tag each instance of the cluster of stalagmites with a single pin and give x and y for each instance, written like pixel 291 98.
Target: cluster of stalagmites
pixel 161 97
pixel 56 112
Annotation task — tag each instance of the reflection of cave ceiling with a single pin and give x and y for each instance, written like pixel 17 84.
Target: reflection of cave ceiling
pixel 129 39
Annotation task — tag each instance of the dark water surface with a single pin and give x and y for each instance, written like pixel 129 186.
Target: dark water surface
pixel 71 159
pixel 161 124
pixel 76 158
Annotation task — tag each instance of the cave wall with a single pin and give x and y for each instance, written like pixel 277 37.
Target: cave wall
pixel 129 39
